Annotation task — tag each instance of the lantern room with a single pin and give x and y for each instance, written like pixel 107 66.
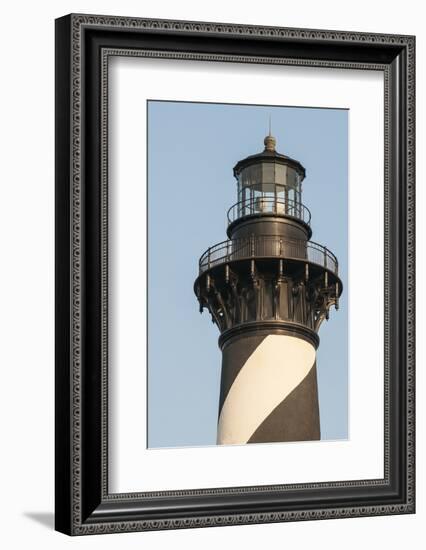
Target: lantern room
pixel 269 182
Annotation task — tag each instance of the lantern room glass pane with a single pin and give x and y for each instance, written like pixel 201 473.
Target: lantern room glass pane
pixel 251 175
pixel 280 174
pixel 292 178
pixel 280 192
pixel 266 188
pixel 268 172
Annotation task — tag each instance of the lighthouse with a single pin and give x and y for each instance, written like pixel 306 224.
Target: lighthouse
pixel 268 288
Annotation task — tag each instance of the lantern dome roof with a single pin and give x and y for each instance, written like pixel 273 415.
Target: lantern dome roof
pixel 269 154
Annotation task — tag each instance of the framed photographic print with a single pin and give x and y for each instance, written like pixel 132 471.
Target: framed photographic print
pixel 263 177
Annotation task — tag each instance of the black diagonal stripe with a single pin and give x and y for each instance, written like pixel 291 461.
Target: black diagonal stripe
pixel 296 418
pixel 234 356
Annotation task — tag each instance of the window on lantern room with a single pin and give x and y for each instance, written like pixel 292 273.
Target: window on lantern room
pixel 292 178
pixel 280 191
pixel 280 174
pixel 268 172
pixel 250 175
pixel 268 189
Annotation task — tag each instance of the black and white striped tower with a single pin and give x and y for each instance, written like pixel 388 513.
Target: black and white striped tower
pixel 268 289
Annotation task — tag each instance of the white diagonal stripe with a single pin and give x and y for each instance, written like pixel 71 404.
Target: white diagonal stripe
pixel 275 368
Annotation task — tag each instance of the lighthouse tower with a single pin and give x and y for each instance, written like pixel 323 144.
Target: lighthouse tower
pixel 268 288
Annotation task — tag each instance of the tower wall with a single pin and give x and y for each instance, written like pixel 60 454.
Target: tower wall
pixel 269 225
pixel 268 390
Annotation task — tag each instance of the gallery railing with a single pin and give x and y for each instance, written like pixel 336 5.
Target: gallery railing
pixel 267 246
pixel 269 205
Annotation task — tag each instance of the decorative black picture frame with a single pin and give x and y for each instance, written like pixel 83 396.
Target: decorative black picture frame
pixel 83 503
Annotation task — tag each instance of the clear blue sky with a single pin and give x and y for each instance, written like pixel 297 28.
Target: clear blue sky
pixel 192 148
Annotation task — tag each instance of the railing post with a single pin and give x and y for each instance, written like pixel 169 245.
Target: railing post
pixel 227 250
pixel 325 257
pixel 208 258
pixel 252 244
